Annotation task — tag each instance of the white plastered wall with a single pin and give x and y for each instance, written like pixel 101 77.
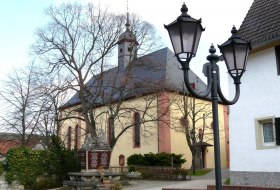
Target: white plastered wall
pixel 260 98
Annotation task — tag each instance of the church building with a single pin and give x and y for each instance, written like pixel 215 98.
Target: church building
pixel 143 104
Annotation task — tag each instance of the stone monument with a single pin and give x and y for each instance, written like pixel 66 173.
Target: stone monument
pixel 95 157
pixel 95 153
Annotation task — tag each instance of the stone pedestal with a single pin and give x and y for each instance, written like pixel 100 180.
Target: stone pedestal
pixel 95 157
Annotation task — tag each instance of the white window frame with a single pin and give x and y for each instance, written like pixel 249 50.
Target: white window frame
pixel 273 143
pixel 260 144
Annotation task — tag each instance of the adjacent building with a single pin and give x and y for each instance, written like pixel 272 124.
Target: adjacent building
pixel 13 140
pixel 255 119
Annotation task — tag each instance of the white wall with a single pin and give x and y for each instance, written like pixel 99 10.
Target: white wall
pixel 260 97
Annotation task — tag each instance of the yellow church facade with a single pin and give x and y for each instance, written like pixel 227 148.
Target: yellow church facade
pixel 159 128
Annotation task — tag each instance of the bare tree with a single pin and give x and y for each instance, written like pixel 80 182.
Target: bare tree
pixel 114 88
pixel 31 99
pixel 23 108
pixel 193 124
pixel 52 95
pixel 79 41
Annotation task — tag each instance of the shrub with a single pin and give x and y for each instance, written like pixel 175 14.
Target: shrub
pixel 25 165
pixel 1 168
pixel 135 159
pixel 131 168
pixel 227 181
pixel 44 182
pixel 160 159
pixel 61 160
pixel 41 169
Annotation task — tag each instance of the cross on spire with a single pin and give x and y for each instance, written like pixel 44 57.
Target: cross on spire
pixel 126 5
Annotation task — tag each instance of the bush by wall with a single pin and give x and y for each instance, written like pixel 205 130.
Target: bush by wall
pixel 160 159
pixel 135 159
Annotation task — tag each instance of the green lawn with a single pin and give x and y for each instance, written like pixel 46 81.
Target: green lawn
pixel 200 172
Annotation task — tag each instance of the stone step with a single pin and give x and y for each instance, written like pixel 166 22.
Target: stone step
pixel 3 182
pixel 4 186
pixel 17 187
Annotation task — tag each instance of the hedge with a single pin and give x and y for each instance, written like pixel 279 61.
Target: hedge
pixel 160 159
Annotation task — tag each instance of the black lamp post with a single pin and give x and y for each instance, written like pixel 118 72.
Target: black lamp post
pixel 185 34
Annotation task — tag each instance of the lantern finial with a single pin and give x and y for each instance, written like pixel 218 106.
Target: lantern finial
pixel 184 9
pixel 234 30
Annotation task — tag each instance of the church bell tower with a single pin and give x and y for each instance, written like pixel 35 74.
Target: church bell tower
pixel 127 46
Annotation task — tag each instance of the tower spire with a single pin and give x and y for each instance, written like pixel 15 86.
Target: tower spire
pixel 127 17
pixel 127 21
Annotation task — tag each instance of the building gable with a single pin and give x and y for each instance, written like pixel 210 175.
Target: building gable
pixel 261 25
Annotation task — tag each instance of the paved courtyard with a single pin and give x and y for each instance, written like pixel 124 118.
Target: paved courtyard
pixel 197 182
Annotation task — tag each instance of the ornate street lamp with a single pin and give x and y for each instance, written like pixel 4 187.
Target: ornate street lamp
pixel 185 34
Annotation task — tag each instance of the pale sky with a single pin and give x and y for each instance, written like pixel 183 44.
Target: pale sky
pixel 20 18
